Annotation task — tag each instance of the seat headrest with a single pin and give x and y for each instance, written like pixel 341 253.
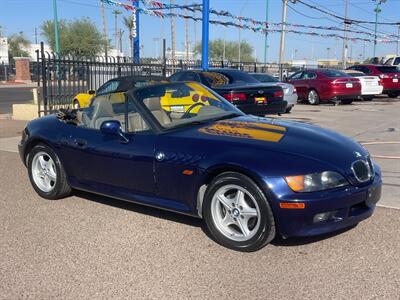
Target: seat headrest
pixel 153 103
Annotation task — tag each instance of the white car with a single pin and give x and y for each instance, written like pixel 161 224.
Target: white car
pixel 370 85
pixel 289 91
pixel 393 61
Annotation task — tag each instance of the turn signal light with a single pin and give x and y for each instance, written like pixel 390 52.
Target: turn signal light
pixel 235 97
pixel 292 205
pixel 296 183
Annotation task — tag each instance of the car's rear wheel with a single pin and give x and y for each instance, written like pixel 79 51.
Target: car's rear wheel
pixel 367 98
pixel 313 97
pixel 288 109
pixel 237 213
pixel 76 104
pixel 393 95
pixel 346 101
pixel 46 173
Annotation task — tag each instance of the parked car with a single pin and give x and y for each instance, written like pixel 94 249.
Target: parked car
pixel 239 88
pixel 289 91
pixel 370 85
pixel 389 75
pixel 317 85
pixel 115 89
pixel 249 178
pixel 393 61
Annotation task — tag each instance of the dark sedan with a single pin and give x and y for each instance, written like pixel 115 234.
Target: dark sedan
pixel 239 88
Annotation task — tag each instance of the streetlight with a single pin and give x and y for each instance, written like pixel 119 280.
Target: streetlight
pixel 327 52
pixel 377 10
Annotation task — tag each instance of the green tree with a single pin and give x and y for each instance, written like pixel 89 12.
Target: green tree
pixel 216 50
pixel 129 24
pixel 16 45
pixel 79 38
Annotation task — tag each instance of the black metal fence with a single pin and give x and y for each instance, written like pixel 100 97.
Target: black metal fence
pixel 7 71
pixel 60 79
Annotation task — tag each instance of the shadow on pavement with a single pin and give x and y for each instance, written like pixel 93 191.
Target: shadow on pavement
pixel 142 209
pixel 299 241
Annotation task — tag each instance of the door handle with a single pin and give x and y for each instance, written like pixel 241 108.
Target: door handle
pixel 80 142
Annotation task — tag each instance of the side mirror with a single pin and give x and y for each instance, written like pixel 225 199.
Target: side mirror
pixel 113 127
pixel 91 92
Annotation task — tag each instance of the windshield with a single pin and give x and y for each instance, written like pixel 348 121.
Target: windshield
pixel 219 78
pixel 388 69
pixel 333 73
pixel 264 77
pixel 184 104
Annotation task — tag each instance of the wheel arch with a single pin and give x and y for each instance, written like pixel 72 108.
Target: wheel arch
pixel 31 144
pixel 217 170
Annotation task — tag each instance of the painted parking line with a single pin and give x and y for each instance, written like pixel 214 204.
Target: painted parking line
pixel 10 144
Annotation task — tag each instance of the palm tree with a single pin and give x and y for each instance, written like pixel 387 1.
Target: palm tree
pixel 128 22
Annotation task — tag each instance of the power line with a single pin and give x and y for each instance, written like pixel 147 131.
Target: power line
pixel 344 19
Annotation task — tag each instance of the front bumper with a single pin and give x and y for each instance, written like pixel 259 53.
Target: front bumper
pixel 349 206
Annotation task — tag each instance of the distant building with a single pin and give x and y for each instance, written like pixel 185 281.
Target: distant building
pixel 179 54
pixel 328 62
pixel 3 50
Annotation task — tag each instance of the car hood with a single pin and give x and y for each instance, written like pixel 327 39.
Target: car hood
pixel 287 137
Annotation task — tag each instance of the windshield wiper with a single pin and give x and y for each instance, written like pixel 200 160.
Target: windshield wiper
pixel 227 116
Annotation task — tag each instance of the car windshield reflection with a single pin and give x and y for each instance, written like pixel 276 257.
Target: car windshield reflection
pixel 187 103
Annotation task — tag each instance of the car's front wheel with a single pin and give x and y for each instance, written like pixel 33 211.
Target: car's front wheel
pixel 346 101
pixel 46 173
pixel 237 213
pixel 393 95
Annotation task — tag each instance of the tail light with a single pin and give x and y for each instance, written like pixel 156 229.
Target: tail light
pixel 294 90
pixel 278 94
pixel 235 97
pixel 383 75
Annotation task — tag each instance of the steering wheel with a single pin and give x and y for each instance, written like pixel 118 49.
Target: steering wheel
pixel 186 114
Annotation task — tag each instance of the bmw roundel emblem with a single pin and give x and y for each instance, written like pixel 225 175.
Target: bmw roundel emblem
pixel 160 156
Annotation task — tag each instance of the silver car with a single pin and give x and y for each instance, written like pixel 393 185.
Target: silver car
pixel 289 91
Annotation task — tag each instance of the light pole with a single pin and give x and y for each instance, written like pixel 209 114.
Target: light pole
pixel 327 52
pixel 377 10
pixel 398 40
pixel 282 43
pixel 116 13
pixel 266 33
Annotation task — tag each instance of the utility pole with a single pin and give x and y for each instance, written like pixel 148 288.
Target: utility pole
pixel 55 21
pixel 327 53
pixel 398 40
pixel 345 27
pixel 377 10
pixel 120 39
pixel 266 33
pixel 171 2
pixel 195 36
pixel 282 43
pixel 103 23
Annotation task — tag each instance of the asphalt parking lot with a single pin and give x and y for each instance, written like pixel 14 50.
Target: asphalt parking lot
pixel 88 246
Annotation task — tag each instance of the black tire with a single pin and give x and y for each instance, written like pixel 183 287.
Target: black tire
pixel 368 98
pixel 61 187
pixel 393 95
pixel 288 109
pixel 315 100
pixel 266 231
pixel 346 101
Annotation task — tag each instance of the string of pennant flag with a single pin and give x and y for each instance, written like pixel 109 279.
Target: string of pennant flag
pixel 255 26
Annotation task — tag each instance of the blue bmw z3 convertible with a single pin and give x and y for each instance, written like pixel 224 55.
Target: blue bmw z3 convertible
pixel 181 147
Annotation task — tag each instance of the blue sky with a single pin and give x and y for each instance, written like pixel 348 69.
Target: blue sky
pixel 25 15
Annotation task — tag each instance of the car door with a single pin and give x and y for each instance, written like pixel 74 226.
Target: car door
pixel 309 81
pixel 296 80
pixel 107 164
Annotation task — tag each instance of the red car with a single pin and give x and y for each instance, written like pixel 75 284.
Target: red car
pixel 317 85
pixel 389 75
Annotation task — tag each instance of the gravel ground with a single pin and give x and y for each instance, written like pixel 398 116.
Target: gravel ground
pixel 91 247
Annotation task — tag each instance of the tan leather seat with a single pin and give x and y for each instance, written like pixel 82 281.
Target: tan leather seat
pixel 102 111
pixel 136 123
pixel 154 105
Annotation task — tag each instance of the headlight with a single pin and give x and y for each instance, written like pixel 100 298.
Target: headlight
pixel 316 181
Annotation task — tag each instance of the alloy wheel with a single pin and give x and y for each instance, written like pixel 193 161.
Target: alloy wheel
pixel 44 172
